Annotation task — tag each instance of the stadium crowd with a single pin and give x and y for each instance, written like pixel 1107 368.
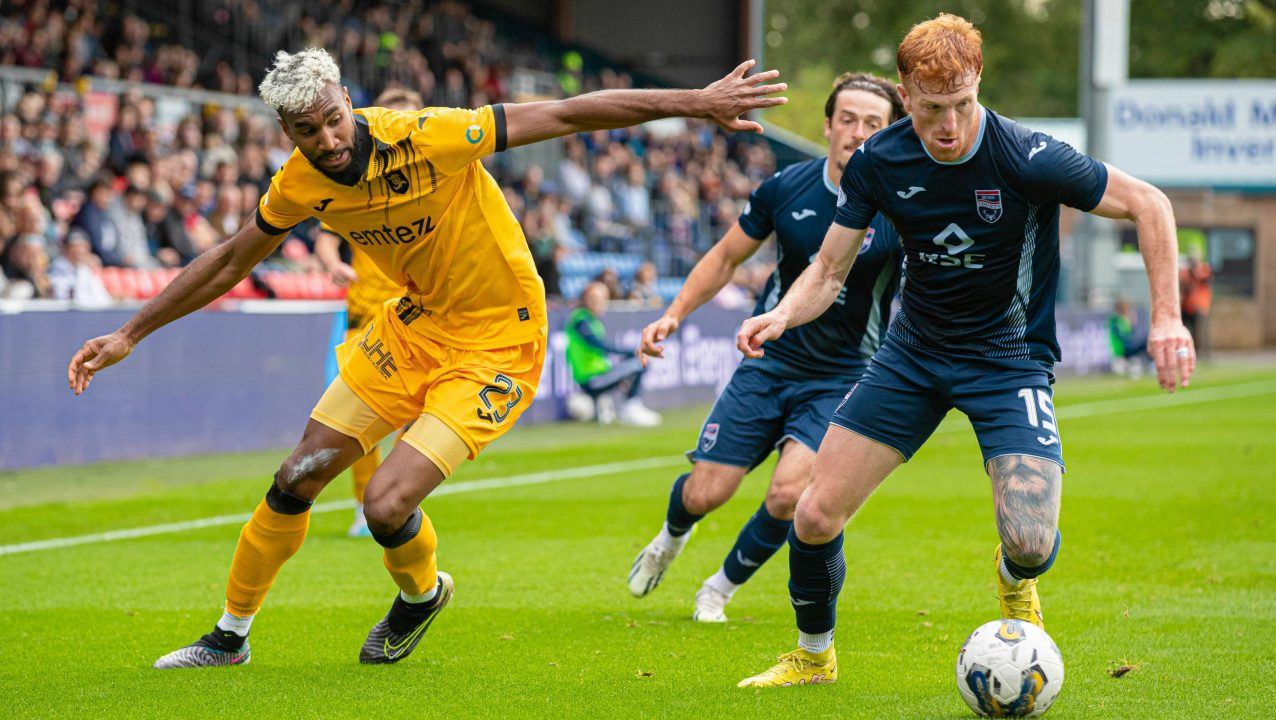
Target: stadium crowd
pixel 155 188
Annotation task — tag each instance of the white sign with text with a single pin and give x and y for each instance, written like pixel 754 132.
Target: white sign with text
pixel 1195 133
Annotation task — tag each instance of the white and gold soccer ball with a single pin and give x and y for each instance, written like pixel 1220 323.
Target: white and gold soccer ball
pixel 1009 668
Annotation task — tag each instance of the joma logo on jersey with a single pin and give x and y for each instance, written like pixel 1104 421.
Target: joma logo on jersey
pixel 956 242
pixel 399 235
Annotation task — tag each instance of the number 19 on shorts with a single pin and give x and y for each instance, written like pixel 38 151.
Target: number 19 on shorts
pixel 1040 409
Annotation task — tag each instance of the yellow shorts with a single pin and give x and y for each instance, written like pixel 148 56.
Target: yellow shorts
pixel 402 376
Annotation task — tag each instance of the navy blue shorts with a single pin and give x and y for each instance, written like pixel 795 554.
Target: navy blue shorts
pixel 759 409
pixel 908 390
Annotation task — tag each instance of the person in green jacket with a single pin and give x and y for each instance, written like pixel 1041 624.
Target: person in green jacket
pixel 589 354
pixel 1129 352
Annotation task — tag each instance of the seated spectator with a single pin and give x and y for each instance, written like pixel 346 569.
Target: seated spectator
pixel 644 288
pixel 610 279
pixel 27 269
pixel 95 221
pixel 126 215
pixel 589 355
pixel 545 251
pixel 1129 351
pixel 72 274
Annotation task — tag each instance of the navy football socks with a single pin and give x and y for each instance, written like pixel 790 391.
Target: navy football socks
pixel 816 573
pixel 678 519
pixel 757 542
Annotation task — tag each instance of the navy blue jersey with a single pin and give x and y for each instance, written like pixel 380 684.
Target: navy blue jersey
pixel 798 205
pixel 980 234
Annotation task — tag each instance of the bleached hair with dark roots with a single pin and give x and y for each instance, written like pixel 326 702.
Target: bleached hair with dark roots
pixel 296 79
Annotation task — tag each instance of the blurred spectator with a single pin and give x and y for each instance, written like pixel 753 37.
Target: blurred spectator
pixel 72 275
pixel 665 190
pixel 610 279
pixel 27 269
pixel 643 289
pixel 125 214
pixel 1129 350
pixel 94 220
pixel 545 251
pixel 589 355
pixel 1196 288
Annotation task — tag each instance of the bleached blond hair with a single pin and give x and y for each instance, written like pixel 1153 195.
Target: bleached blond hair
pixel 296 79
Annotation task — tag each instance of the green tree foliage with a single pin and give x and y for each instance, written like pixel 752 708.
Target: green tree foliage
pixel 1031 47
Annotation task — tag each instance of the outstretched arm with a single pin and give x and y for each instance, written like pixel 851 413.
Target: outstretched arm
pixel 722 102
pixel 1169 343
pixel 812 293
pixel 707 278
pixel 209 277
pixel 328 251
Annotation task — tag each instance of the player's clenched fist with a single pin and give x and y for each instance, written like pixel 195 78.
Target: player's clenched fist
pixel 653 335
pixel 757 330
pixel 98 353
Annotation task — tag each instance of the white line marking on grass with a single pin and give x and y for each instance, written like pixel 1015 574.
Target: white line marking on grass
pixel 1066 412
pixel 1164 401
pixel 1167 401
pixel 536 478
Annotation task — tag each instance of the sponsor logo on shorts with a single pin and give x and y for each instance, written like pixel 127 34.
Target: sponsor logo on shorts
pixel 377 354
pixel 709 437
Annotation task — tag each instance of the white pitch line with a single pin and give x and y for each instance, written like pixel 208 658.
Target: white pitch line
pixel 536 478
pixel 1066 412
pixel 1164 401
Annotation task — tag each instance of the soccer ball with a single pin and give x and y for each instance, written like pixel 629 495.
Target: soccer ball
pixel 1009 668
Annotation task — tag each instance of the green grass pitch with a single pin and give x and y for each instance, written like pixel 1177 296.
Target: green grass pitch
pixel 1168 566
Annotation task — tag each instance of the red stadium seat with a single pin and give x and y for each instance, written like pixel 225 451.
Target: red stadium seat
pixel 144 283
pixel 160 278
pixel 128 283
pixel 110 277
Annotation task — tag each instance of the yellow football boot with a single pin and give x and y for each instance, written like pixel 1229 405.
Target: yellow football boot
pixel 797 668
pixel 1019 602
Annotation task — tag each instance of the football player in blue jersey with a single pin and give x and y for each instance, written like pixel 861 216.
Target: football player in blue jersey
pixel 975 198
pixel 782 401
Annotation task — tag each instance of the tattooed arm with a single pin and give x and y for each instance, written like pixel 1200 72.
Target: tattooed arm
pixel 1025 493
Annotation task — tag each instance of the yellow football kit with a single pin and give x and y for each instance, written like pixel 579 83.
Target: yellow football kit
pixel 463 348
pixel 364 299
pixel 369 292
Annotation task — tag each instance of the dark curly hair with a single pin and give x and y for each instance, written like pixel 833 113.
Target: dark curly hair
pixel 868 83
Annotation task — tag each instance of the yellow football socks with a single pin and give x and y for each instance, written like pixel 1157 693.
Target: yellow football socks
pixel 265 544
pixel 412 564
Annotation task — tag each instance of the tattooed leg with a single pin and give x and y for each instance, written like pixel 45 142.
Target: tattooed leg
pixel 1025 492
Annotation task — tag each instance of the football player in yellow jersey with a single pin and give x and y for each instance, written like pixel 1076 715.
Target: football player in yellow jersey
pixel 460 354
pixel 368 289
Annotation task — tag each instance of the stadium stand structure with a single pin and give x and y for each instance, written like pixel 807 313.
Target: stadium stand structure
pixel 115 131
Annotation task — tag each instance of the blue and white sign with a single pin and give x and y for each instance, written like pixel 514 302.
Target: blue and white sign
pixel 1195 133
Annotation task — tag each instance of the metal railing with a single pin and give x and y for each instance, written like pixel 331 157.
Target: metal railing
pixel 13 81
